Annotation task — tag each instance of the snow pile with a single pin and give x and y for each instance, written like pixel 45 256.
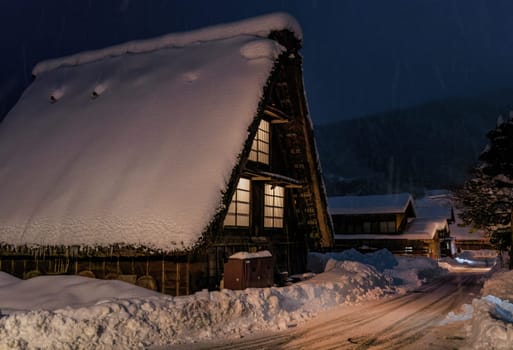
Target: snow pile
pixel 353 281
pixel 491 325
pixel 72 311
pixel 40 292
pixel 411 272
pixel 407 272
pixel 77 312
pixel 141 322
pixel 466 313
pixel 380 260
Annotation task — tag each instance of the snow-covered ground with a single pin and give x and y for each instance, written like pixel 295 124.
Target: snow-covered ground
pixel 75 312
pixel 490 317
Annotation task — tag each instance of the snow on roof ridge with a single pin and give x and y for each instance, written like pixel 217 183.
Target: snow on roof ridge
pixel 368 204
pixel 260 26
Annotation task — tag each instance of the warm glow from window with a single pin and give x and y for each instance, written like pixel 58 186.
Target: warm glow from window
pixel 274 198
pixel 260 147
pixel 238 211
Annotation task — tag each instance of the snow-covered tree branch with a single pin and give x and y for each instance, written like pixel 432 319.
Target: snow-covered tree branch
pixel 486 197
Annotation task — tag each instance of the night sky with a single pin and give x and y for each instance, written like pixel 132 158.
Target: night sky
pixel 360 56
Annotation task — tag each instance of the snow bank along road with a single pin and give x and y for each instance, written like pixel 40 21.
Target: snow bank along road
pixel 410 321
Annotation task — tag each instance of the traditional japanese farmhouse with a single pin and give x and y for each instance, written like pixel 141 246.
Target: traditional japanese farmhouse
pixel 154 161
pixel 439 203
pixel 387 221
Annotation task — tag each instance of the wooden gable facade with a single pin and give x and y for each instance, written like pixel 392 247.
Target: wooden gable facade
pixel 359 215
pixel 275 200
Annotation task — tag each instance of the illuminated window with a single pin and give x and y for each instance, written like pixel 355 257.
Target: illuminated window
pixel 260 147
pixel 238 211
pixel 274 198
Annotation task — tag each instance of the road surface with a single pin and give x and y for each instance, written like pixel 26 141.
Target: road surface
pixel 410 321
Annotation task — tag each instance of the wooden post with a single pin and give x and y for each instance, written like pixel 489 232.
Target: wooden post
pixel 76 267
pixel 163 275
pixel 187 279
pixel 177 279
pixel 511 245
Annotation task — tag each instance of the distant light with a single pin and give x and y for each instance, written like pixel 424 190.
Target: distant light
pixel 464 261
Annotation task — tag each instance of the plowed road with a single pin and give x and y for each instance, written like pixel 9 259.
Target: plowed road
pixel 410 321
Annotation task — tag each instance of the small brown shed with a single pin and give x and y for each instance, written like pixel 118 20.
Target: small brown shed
pixel 249 270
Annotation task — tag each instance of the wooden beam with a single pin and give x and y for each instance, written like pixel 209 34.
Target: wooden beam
pixel 187 280
pixel 279 121
pixel 261 178
pixel 293 186
pixel 277 114
pixel 271 177
pixel 163 275
pixel 177 278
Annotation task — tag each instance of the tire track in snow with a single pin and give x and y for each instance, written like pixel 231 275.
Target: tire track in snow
pixel 396 323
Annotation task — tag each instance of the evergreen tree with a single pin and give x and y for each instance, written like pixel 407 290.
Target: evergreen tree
pixel 487 196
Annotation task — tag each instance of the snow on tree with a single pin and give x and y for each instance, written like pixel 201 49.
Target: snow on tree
pixel 487 196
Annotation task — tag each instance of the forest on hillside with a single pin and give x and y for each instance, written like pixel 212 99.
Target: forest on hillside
pixel 430 146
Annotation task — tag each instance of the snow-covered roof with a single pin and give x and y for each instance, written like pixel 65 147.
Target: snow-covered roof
pixel 434 207
pixel 426 227
pixel 133 144
pixel 248 255
pixel 258 26
pixel 372 204
pixel 439 204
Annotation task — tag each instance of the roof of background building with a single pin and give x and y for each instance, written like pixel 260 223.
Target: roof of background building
pixel 372 204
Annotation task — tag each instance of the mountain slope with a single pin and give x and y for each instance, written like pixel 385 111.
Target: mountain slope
pixel 429 146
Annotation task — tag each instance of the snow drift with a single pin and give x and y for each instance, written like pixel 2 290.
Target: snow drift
pixel 492 315
pixel 76 312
